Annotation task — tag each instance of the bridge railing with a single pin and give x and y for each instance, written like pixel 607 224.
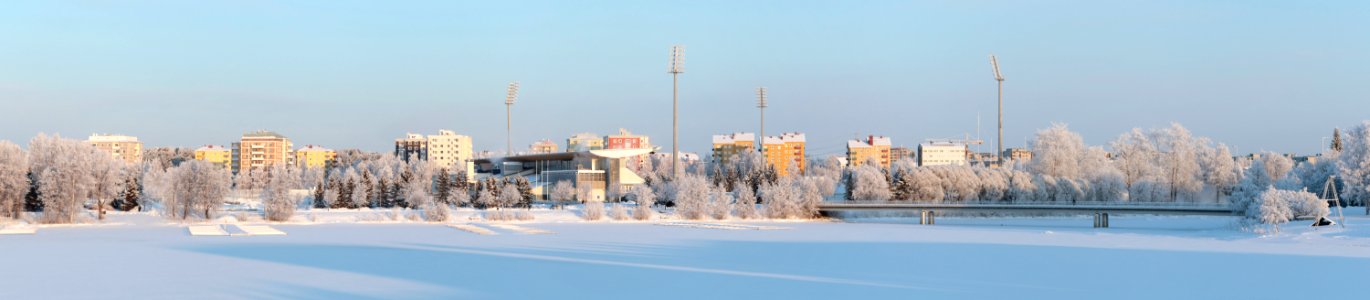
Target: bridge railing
pixel 1045 203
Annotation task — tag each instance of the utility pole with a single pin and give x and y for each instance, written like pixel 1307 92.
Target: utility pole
pixel 761 104
pixel 999 151
pixel 508 116
pixel 677 67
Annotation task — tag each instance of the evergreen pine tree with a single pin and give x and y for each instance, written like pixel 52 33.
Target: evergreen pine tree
pixel 444 187
pixel 318 196
pixel 1336 139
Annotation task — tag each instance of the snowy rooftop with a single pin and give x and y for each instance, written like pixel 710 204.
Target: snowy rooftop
pixel 212 148
pixel 310 148
pixel 788 137
pixel 100 137
pixel 734 138
pixel 263 134
pixel 869 141
pixel 942 144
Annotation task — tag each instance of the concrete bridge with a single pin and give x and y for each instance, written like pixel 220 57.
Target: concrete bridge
pixel 1100 210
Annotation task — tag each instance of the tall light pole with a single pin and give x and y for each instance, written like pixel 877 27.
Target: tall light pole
pixel 761 104
pixel 999 152
pixel 677 67
pixel 508 116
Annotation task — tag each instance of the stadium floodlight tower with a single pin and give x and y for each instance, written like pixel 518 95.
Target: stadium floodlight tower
pixel 761 104
pixel 677 66
pixel 508 123
pixel 999 77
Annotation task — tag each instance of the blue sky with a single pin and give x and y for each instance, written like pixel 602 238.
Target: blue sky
pixel 1259 75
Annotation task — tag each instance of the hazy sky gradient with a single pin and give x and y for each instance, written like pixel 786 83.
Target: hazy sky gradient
pixel 1272 75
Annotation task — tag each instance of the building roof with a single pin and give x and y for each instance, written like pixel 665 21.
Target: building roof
pixel 566 156
pixel 734 138
pixel 788 137
pixel 212 148
pixel 869 142
pixel 263 134
pixel 315 148
pixel 104 137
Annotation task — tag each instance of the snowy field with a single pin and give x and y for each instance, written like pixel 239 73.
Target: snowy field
pixel 139 256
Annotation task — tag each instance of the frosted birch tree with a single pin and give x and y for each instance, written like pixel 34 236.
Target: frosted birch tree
pixel 14 179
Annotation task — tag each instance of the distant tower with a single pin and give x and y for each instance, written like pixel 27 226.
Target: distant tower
pixel 761 104
pixel 677 66
pixel 508 123
pixel 999 153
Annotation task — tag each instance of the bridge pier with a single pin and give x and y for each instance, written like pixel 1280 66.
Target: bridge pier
pixel 1100 220
pixel 926 217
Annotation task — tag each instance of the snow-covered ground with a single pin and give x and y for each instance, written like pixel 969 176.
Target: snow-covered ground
pixel 374 254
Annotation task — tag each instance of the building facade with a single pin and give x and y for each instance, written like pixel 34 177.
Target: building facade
pixel 784 152
pixel 412 146
pixel 584 141
pixel 626 140
pixel 543 146
pixel 1017 154
pixel 942 154
pixel 726 147
pixel 873 147
pixel 449 150
pixel 312 156
pixel 217 155
pixel 261 149
pixel 121 147
pixel 897 153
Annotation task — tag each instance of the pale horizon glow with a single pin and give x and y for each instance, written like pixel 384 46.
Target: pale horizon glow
pixel 1257 75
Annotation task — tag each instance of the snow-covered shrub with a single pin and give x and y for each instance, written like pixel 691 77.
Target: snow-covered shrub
pixel 1021 187
pixel 434 211
pixel 809 198
pixel 691 197
pixel 617 212
pixel 594 210
pixel 562 192
pixel 645 199
pixel 993 184
pixel 927 185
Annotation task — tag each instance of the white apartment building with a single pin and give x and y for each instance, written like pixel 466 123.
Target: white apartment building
pixel 449 149
pixel 934 153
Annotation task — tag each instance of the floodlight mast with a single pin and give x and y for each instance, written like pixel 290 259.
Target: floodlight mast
pixel 999 77
pixel 761 104
pixel 513 94
pixel 677 66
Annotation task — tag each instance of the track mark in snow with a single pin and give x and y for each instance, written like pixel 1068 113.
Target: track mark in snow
pixel 473 229
pixel 520 229
pixel 720 226
pixel 260 230
pixel 207 230
pixel 19 230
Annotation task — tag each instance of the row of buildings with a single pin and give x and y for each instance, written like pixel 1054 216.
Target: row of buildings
pixel 929 153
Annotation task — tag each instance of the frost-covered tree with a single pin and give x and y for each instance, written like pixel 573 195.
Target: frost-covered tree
pixel 1179 162
pixel 927 185
pixel 691 197
pixel 993 184
pixel 959 182
pixel 868 184
pixel 745 205
pixel 810 197
pixel 1255 181
pixel 562 192
pixel 1056 152
pixel 196 188
pixel 66 177
pixel 509 196
pixel 1021 187
pixel 1354 165
pixel 418 195
pixel 1135 157
pixel 1220 170
pixel 781 199
pixel 617 212
pixel 645 198
pixel 484 199
pixel 1277 166
pixel 277 202
pixel 1271 207
pixel 108 178
pixel 14 180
